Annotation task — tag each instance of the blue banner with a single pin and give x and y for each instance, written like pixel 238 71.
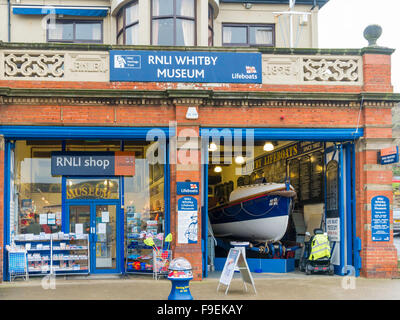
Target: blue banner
pixel 181 66
pixel 183 188
pixel 380 220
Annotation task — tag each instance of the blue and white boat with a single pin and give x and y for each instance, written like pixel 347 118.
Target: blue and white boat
pixel 258 212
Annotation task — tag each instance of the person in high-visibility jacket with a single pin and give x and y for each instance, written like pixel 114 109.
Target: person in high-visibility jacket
pixel 320 247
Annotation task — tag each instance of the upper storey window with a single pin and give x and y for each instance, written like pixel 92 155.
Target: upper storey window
pixel 89 31
pixel 173 22
pixel 128 24
pixel 248 35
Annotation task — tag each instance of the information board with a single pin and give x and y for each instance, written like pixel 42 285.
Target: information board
pixel 187 220
pixel 189 188
pixel 236 259
pixel 380 219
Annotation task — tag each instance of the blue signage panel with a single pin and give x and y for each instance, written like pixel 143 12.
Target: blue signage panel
pixel 183 188
pixel 380 219
pixel 187 204
pixel 181 66
pixel 92 163
pixel 389 158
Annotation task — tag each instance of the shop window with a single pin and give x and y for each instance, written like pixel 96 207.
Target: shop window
pixel 36 204
pixel 144 204
pixel 248 35
pixel 90 31
pixel 128 24
pixel 173 22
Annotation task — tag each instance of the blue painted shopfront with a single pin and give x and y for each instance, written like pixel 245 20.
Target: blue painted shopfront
pixel 348 246
pixel 15 133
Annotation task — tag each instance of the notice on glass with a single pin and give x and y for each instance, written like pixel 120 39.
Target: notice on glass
pixel 58 218
pixel 101 228
pixel 51 218
pixel 43 218
pixel 79 228
pixel 105 216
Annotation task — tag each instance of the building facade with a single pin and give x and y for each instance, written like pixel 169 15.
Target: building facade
pixel 107 112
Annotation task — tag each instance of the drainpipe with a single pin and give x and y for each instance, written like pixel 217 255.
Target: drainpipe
pixel 9 20
pixel 315 4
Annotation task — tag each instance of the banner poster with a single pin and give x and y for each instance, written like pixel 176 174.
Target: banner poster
pixel 182 66
pixel 187 220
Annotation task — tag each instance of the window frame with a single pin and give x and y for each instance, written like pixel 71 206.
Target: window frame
pixel 174 17
pixel 125 26
pixel 248 26
pixel 211 27
pixel 74 23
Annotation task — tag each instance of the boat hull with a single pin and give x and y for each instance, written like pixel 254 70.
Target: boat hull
pixel 262 218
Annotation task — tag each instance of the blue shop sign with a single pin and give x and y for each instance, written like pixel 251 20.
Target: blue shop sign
pixel 187 204
pixel 183 188
pixel 388 155
pixel 81 163
pixel 181 66
pixel 380 219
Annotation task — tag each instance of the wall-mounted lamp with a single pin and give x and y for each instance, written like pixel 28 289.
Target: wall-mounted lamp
pixel 247 5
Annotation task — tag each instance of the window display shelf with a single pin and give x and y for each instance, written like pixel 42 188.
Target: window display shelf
pixel 41 259
pixel 138 255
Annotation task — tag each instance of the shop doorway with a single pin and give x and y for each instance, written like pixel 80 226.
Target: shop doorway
pixel 98 219
pixel 320 170
pixel 92 207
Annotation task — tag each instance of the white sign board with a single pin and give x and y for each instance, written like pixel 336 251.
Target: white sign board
pixel 187 220
pixel 236 259
pixel 333 229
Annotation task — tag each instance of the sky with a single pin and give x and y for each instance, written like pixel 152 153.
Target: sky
pixel 342 23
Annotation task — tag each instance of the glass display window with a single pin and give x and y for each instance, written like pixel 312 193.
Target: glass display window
pixel 37 197
pixel 144 207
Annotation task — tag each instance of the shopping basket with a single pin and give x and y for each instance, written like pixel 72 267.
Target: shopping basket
pixel 161 260
pixel 17 263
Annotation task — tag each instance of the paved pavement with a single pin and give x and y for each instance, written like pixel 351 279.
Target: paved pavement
pixel 293 286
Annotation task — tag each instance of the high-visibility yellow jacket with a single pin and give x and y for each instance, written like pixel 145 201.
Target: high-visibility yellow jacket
pixel 320 247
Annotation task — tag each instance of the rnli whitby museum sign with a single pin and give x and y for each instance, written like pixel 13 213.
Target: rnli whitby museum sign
pixel 180 66
pixel 119 163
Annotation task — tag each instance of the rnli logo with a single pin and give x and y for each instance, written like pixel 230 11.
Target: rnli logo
pixel 251 69
pixel 127 61
pixel 273 202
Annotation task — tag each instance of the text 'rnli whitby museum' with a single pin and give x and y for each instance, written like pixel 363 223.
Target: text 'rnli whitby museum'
pixel 103 147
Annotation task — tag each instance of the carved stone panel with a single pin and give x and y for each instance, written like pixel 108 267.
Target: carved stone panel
pixel 326 70
pixel 281 69
pixel 87 66
pixel 33 65
pixel 54 65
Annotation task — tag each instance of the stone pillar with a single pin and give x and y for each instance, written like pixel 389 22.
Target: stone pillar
pixel 186 166
pixel 379 259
